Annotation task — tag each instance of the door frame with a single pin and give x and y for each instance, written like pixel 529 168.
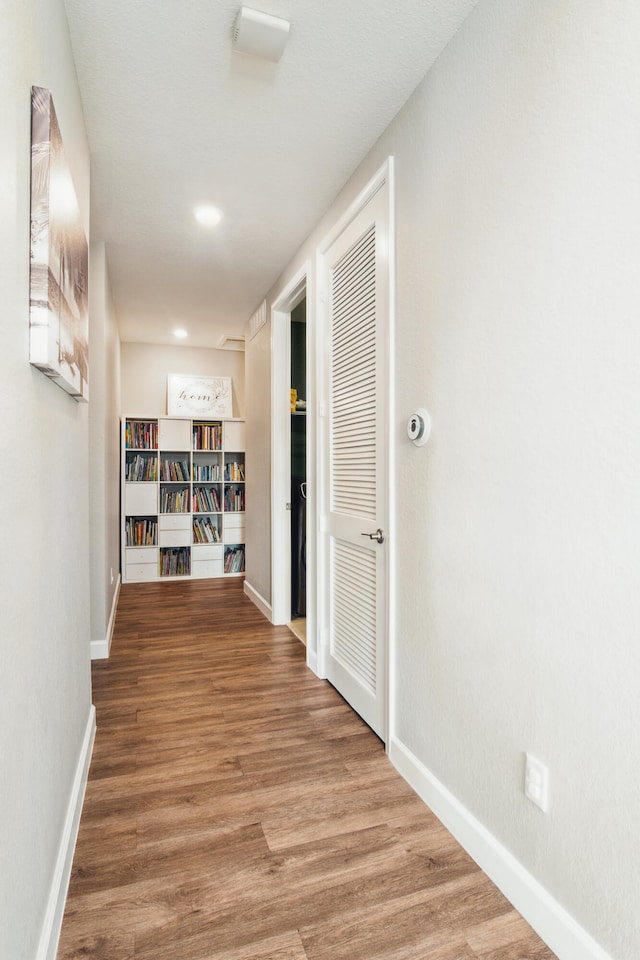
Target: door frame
pixel 300 285
pixel 384 178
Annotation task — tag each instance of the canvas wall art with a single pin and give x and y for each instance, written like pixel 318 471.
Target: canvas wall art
pixel 194 396
pixel 59 295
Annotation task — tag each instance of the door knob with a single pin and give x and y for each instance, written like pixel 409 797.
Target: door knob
pixel 378 535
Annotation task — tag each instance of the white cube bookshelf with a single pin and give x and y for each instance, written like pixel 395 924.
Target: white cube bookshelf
pixel 183 498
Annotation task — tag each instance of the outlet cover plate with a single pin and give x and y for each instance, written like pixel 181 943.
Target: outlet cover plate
pixel 536 782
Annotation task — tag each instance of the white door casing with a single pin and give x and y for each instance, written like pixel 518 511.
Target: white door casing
pixel 301 284
pixel 355 284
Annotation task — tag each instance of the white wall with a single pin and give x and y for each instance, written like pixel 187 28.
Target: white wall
pixel 104 451
pixel 145 368
pixel 44 571
pixel 258 463
pixel 518 236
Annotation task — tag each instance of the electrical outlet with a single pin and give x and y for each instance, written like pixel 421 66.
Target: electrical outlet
pixel 536 782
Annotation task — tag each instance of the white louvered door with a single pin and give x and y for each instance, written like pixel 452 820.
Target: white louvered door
pixel 355 285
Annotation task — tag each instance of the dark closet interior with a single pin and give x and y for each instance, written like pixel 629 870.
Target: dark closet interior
pixel 298 461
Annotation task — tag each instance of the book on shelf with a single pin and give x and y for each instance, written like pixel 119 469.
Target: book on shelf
pixel 234 471
pixel 207 436
pixel 207 472
pixel 141 469
pixel 206 500
pixel 175 561
pixel 205 531
pixel 141 434
pixel 174 471
pixel 174 501
pixel 141 532
pixel 234 499
pixel 234 559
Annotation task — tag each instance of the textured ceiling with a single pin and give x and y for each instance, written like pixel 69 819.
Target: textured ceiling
pixel 176 118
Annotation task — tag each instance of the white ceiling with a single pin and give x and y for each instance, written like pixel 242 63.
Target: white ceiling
pixel 175 118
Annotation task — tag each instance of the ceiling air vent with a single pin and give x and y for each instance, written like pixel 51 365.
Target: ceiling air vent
pixel 260 34
pixel 231 343
pixel 258 320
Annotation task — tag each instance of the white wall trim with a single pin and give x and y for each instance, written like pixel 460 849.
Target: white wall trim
pixel 263 605
pixel 564 936
pixel 281 309
pixel 50 934
pixel 100 649
pixel 383 175
pixel 392 508
pixel 312 661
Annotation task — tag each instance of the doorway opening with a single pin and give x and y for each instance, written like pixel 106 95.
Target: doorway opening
pixel 298 411
pixel 293 348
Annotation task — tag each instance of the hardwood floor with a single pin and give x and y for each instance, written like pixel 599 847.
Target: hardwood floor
pixel 237 809
pixel 298 628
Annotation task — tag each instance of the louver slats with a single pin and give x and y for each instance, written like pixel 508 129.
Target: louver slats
pixel 353 376
pixel 353 574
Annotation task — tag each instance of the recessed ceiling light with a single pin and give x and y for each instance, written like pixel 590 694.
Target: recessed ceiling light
pixel 207 215
pixel 180 334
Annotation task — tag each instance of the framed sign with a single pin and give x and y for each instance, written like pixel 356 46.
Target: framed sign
pixel 195 396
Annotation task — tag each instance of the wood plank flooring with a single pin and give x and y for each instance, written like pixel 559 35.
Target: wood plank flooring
pixel 237 809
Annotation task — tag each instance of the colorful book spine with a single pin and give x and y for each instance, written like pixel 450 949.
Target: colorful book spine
pixel 206 500
pixel 234 499
pixel 141 435
pixel 207 436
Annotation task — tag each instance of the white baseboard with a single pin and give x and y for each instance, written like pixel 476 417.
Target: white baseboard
pixel 50 934
pixel 100 649
pixel 312 661
pixel 562 934
pixel 259 601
